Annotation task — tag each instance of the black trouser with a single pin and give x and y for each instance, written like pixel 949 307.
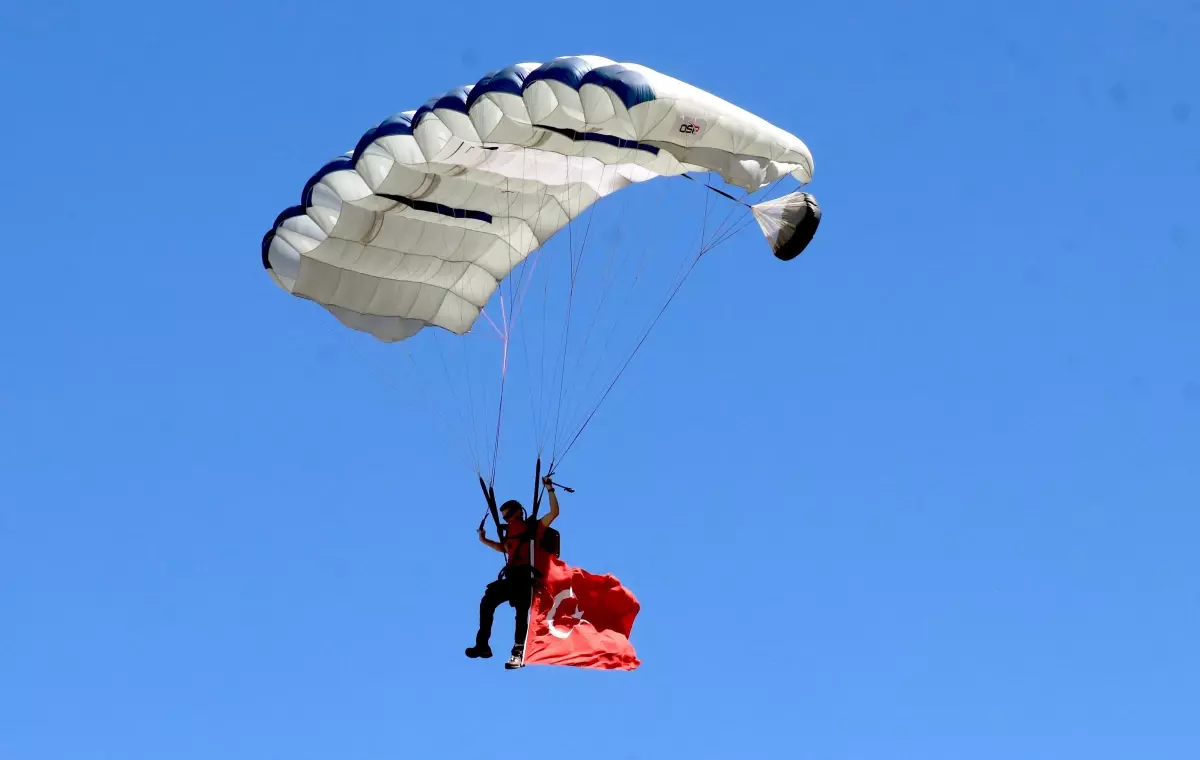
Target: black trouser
pixel 515 591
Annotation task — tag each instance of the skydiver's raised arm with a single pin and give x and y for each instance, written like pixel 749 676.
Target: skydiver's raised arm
pixel 552 515
pixel 483 539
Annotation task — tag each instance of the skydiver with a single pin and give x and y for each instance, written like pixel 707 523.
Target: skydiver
pixel 515 584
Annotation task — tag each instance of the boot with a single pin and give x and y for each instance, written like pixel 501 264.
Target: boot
pixel 479 650
pixel 517 660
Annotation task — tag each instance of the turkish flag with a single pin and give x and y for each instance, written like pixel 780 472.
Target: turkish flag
pixel 581 619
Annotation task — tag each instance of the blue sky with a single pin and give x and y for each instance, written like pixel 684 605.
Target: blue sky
pixel 929 491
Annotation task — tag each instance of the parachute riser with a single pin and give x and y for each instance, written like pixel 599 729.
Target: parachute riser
pixel 533 515
pixel 489 495
pixel 537 489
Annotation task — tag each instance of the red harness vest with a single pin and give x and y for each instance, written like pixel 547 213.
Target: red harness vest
pixel 516 540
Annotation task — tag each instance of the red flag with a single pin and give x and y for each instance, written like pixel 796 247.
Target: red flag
pixel 581 619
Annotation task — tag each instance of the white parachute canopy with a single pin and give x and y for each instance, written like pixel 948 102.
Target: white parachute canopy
pixel 419 223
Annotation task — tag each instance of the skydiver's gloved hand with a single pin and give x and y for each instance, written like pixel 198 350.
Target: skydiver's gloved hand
pixel 546 481
pixel 482 535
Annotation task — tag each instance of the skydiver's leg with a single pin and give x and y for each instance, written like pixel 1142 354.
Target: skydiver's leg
pixel 521 600
pixel 522 597
pixel 496 594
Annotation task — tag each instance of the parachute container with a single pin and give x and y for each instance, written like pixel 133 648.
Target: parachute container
pixel 789 223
